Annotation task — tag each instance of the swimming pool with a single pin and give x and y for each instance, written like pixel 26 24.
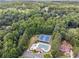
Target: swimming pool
pixel 45 47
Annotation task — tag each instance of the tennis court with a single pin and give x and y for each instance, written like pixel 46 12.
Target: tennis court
pixel 44 38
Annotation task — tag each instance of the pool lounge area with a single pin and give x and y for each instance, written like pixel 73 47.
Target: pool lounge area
pixel 42 46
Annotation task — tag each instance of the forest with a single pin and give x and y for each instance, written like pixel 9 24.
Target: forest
pixel 19 21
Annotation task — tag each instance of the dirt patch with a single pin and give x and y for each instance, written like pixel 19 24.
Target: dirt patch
pixel 32 40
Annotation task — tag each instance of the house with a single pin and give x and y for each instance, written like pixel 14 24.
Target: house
pixel 46 9
pixel 66 48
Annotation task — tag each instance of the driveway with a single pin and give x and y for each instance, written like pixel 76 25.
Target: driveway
pixel 29 54
pixel 77 56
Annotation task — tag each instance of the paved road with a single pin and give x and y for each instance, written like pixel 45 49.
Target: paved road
pixel 77 56
pixel 29 54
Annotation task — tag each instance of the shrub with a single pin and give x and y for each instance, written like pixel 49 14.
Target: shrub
pixel 47 55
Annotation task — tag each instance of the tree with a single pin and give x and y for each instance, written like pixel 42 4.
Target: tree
pixel 47 55
pixel 23 42
pixel 7 46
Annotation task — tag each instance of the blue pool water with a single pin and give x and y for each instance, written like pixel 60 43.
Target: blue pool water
pixel 43 46
pixel 44 38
